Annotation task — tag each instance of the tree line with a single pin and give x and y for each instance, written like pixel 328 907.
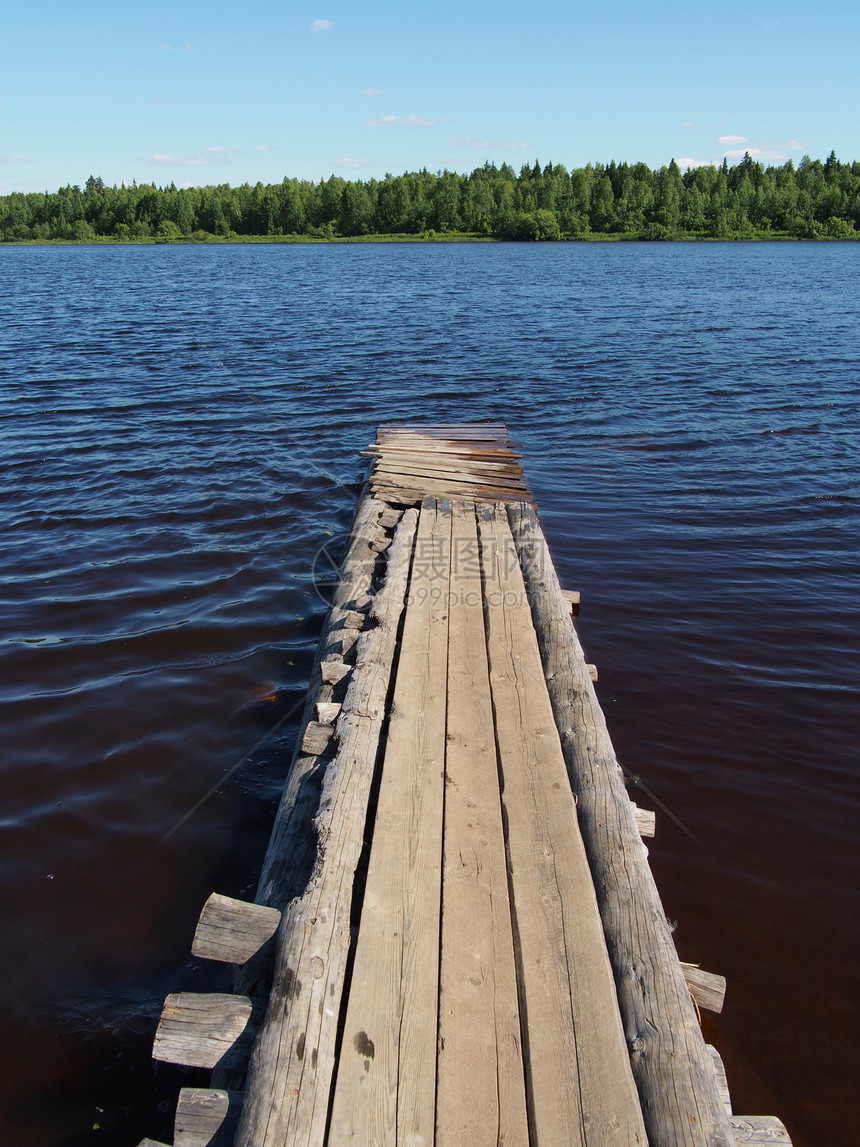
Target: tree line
pixel 811 200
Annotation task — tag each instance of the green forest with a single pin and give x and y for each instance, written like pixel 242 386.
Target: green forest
pixel 810 200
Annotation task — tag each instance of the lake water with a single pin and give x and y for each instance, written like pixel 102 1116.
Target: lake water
pixel 180 429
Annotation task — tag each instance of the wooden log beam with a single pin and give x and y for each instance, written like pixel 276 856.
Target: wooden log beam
pixel 289 856
pixel 671 1064
pixel 287 1097
pixel 292 848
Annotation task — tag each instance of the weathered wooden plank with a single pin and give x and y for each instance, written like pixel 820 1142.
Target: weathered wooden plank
pixel 289 1084
pixel 437 460
pixel 152 1143
pixel 578 1076
pixel 316 738
pixel 490 455
pixel 390 518
pixel 327 711
pixel 671 1065
pixel 759 1129
pixel 418 475
pixel 205 1030
pixel 386 1078
pixel 206 1117
pixel 416 489
pixel 333 671
pixel 573 598
pixel 707 988
pixel 354 618
pixel 459 471
pixel 472 491
pixel 292 846
pixel 480 1091
pixel 721 1078
pixel 646 821
pixel 233 930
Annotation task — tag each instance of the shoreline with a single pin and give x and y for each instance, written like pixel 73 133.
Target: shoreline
pixel 235 240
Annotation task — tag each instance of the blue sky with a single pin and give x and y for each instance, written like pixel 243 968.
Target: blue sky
pixel 221 92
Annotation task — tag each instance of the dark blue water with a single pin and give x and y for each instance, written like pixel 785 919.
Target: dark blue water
pixel 180 429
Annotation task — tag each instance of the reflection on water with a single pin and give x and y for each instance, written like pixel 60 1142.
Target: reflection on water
pixel 180 438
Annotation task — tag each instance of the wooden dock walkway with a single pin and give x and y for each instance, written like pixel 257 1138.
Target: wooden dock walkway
pixel 456 938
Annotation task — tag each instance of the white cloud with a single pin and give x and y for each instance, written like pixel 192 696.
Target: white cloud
pixel 690 125
pixel 322 26
pixel 352 164
pixel 367 92
pixel 11 159
pixel 764 153
pixel 687 162
pixel 264 147
pixel 183 47
pixel 403 121
pixel 757 153
pixel 160 103
pixel 521 143
pixel 225 151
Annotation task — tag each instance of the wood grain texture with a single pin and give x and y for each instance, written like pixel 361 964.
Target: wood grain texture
pixel 721 1078
pixel 232 930
pixel 646 821
pixel 707 988
pixel 475 468
pixel 316 738
pixel 578 1077
pixel 385 1091
pixel 759 1129
pixel 489 461
pixel 206 1117
pixel 206 1029
pixel 293 1061
pixel 327 711
pixel 671 1064
pixel 291 847
pixel 481 1097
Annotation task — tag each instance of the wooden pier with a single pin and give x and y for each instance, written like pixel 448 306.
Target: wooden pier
pixel 456 938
